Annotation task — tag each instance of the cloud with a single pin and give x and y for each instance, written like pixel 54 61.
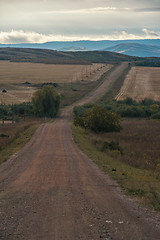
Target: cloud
pixel 146 9
pixel 34 37
pixel 88 10
pixel 151 33
pixel 101 9
pixel 24 37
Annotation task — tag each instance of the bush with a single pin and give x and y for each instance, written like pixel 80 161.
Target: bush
pixel 156 115
pixel 79 111
pixel 133 111
pixel 147 102
pixel 129 101
pixel 22 108
pixel 111 146
pixel 98 119
pixel 46 102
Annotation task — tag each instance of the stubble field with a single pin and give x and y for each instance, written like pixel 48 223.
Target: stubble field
pixel 22 79
pixel 141 83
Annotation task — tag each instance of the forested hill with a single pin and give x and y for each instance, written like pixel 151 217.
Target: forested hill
pixel 51 56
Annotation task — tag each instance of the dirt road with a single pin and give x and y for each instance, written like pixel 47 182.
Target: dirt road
pixel 50 190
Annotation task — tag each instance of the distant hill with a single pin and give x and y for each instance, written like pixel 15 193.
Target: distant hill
pixel 72 49
pixel 75 46
pixel 136 49
pixel 51 56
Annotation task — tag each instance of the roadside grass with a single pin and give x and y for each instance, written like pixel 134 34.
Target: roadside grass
pixel 139 140
pixel 142 184
pixel 74 91
pixel 14 136
pixel 115 86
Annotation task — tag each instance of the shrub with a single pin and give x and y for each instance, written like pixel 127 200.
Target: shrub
pixel 147 102
pixel 133 111
pixel 156 115
pixel 98 119
pixel 46 102
pixel 79 111
pixel 111 146
pixel 129 101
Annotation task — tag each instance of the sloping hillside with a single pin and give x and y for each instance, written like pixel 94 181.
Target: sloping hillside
pixel 50 56
pixel 136 49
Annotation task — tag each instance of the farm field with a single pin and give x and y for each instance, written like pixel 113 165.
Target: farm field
pixel 22 79
pixel 140 83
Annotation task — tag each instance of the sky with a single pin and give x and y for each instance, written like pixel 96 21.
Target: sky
pixel 38 21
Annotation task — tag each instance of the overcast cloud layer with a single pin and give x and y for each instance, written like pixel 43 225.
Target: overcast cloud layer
pixel 48 20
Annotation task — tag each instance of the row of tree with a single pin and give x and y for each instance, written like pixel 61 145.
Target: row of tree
pixel 146 108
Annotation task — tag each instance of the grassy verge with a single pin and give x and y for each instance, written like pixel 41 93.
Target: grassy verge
pixel 142 184
pixel 74 91
pixel 19 139
pixel 115 86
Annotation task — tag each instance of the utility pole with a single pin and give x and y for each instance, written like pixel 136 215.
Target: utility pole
pixel 12 114
pixel 24 112
pixel 2 102
pixel 82 75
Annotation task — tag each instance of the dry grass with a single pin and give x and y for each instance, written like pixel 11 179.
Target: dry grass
pixel 14 136
pixel 11 130
pixel 138 170
pixel 140 83
pixel 14 75
pixel 139 140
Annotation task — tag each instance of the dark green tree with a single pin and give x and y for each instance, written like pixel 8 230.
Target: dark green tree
pixel 46 102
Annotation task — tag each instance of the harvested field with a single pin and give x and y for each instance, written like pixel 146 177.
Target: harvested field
pixel 21 79
pixel 140 83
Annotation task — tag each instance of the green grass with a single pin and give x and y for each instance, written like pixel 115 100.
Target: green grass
pixel 139 183
pixel 22 138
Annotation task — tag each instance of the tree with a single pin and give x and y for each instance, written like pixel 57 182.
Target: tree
pixel 46 102
pixel 98 119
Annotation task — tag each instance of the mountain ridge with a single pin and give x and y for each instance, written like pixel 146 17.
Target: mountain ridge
pixel 88 45
pixel 136 49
